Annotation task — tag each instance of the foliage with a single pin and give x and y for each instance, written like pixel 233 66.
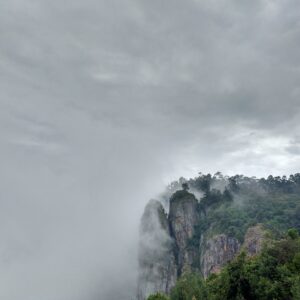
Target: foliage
pixel 189 286
pixel 185 186
pixel 158 296
pixel 179 195
pixel 293 233
pixel 276 212
pixel 274 274
pixel 231 205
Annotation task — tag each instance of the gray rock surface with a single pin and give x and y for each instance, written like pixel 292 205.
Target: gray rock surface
pixel 216 252
pixel 254 239
pixel 157 265
pixel 183 217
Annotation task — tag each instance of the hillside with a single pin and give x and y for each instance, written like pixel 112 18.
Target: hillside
pixel 202 227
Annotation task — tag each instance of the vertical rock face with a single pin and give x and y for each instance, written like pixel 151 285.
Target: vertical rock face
pixel 254 239
pixel 216 252
pixel 183 218
pixel 170 245
pixel 221 249
pixel 157 265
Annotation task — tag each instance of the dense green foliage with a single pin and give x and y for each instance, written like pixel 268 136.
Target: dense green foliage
pixel 277 212
pixel 230 205
pixel 189 286
pixel 274 275
pixel 179 195
pixel 158 296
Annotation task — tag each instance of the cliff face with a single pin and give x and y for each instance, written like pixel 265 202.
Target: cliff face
pixel 216 252
pixel 183 218
pixel 169 245
pixel 254 239
pixel 220 249
pixel 157 266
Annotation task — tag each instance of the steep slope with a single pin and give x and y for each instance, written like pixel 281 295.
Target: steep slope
pixel 254 239
pixel 157 267
pixel 216 252
pixel 220 249
pixel 183 218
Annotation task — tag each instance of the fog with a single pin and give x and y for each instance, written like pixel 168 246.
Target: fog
pixel 102 103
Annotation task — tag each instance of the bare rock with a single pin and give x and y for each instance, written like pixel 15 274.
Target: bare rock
pixel 254 239
pixel 183 218
pixel 157 264
pixel 216 252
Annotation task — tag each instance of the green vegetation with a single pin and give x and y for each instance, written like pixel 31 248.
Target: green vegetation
pixel 231 205
pixel 158 296
pixel 178 195
pixel 189 286
pixel 278 212
pixel 274 275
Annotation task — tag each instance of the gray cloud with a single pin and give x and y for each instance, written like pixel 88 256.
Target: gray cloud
pixel 104 102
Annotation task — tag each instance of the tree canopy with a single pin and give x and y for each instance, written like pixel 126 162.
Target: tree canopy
pixel 273 274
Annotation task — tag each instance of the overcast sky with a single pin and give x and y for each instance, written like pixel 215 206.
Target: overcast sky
pixel 103 102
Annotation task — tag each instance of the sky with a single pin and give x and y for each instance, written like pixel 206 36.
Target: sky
pixel 102 103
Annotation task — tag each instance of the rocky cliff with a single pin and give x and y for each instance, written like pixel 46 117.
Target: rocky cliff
pixel 157 265
pixel 170 245
pixel 183 217
pixel 254 239
pixel 221 249
pixel 216 252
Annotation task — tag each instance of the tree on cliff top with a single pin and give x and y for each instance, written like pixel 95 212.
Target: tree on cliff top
pixel 158 296
pixel 185 186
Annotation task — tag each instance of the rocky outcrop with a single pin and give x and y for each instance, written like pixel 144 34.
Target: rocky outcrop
pixel 170 244
pixel 216 252
pixel 183 217
pixel 166 250
pixel 157 265
pixel 254 239
pixel 221 249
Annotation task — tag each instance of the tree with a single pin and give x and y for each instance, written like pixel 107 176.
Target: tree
pixel 296 288
pixel 158 296
pixel 185 186
pixel 189 286
pixel 293 233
